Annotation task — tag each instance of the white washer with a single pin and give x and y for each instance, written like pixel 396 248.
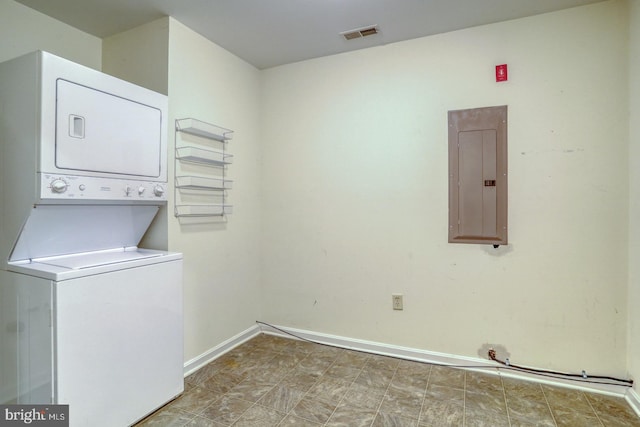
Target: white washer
pixel 101 332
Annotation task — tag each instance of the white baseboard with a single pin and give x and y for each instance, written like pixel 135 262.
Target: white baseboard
pixel 634 400
pixel 474 363
pixel 199 361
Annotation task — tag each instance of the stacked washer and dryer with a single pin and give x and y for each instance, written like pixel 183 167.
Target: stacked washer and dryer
pixel 87 318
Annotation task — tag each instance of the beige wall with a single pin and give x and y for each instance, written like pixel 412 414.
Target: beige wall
pixel 634 190
pixel 221 260
pixel 23 30
pixel 140 55
pixel 348 156
pixel 355 193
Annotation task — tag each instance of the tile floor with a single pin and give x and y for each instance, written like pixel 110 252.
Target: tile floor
pixel 273 381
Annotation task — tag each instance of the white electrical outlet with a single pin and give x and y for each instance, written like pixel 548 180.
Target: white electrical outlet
pixel 397 301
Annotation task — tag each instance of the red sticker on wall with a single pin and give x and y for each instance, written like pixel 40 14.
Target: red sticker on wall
pixel 501 73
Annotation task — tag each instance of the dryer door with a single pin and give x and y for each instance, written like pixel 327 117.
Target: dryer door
pixel 100 132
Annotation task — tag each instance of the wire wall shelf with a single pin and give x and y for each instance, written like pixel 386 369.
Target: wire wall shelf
pixel 205 147
pixel 204 129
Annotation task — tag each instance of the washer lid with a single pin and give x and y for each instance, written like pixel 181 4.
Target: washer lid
pixel 98 258
pixel 52 230
pixel 67 267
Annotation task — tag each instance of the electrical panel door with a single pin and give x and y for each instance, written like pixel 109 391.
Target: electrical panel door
pixel 478 176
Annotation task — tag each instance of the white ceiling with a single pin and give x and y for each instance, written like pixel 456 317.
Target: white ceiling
pixel 268 33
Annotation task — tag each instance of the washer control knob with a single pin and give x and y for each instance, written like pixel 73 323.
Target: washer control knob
pixel 59 186
pixel 127 190
pixel 82 187
pixel 158 190
pixel 141 190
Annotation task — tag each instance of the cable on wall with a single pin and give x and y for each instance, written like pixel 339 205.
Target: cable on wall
pixel 583 375
pixel 580 378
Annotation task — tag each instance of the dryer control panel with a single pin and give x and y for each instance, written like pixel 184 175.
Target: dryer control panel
pixel 74 187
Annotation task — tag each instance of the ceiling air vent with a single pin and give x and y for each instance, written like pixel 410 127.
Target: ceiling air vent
pixel 360 32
